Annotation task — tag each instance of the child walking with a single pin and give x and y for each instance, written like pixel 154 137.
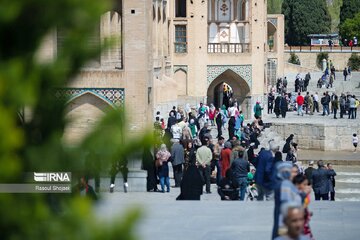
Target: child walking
pixel 355 141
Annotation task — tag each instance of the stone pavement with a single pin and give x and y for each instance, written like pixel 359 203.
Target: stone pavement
pixel 335 157
pixel 164 218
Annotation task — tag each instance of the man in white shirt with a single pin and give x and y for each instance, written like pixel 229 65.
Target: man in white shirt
pixel 316 102
pixel 176 131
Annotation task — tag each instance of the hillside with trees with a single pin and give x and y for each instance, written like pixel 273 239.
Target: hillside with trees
pixel 304 17
pixel 275 6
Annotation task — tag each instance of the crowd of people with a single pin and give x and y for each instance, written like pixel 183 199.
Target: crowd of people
pixel 281 101
pixel 240 170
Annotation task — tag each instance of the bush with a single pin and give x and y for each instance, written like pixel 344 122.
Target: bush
pixel 294 59
pixel 354 62
pixel 36 144
pixel 320 57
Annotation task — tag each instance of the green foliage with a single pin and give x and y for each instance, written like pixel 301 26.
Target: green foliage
pixel 294 59
pixel 351 27
pixel 304 17
pixel 354 62
pixel 320 57
pixel 349 9
pixel 274 6
pixel 36 144
pixel 334 11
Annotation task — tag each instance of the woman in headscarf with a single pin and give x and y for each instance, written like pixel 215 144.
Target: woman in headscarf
pixel 225 158
pixel 191 184
pixel 225 115
pixel 212 110
pixel 287 145
pixel 162 158
pixel 285 191
pixel 277 106
pixel 189 154
pixel 149 165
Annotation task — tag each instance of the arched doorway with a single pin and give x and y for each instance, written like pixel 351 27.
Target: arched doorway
pixel 240 90
pixel 223 94
pixel 82 114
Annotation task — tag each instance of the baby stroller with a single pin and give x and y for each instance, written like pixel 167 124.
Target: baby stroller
pixel 251 192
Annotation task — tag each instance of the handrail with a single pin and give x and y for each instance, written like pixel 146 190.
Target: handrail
pixel 228 47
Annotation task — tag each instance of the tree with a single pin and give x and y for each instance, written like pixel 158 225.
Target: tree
pixel 349 9
pixel 274 6
pixel 354 62
pixel 34 143
pixel 304 17
pixel 351 27
pixel 294 59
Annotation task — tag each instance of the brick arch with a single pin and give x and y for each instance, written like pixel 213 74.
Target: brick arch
pixel 243 71
pixel 83 113
pixel 240 88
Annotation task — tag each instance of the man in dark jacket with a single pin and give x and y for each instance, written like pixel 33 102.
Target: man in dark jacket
pixel 320 179
pixel 309 171
pixel 228 188
pixel 264 172
pixel 177 156
pixel 240 168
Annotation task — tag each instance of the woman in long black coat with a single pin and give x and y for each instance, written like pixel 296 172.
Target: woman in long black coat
pixel 191 184
pixel 283 106
pixel 277 106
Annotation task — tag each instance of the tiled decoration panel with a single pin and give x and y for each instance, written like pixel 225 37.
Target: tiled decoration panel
pixel 114 96
pixel 244 71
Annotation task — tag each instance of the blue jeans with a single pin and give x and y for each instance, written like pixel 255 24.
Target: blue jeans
pixel 242 185
pixel 163 181
pixel 326 110
pixel 300 110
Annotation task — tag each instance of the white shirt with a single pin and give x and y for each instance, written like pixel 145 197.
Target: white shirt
pixel 316 98
pixel 232 111
pixel 355 139
pixel 176 131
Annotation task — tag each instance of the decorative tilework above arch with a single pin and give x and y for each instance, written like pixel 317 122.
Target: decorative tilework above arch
pixel 273 21
pixel 113 96
pixel 180 67
pixel 244 71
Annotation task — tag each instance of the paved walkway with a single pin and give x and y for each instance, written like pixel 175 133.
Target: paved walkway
pixel 335 157
pixel 164 218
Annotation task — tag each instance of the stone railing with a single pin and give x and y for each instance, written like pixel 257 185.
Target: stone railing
pixel 228 47
pixel 321 49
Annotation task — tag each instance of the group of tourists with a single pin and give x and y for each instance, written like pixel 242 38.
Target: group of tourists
pixel 345 104
pixel 186 142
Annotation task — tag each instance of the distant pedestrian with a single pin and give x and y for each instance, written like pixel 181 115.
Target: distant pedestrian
pixel 300 103
pixel 240 168
pixel 316 102
pixel 331 183
pixel 257 110
pixel 355 141
pixel 177 157
pixel 162 158
pixel 352 105
pixel 345 73
pixel 203 161
pixel 271 99
pixel 283 106
pixel 191 184
pixel 320 179
pixel 309 171
pixel 277 110
pixel 335 105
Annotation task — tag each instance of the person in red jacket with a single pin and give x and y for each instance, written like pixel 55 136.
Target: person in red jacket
pixel 225 158
pixel 300 102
